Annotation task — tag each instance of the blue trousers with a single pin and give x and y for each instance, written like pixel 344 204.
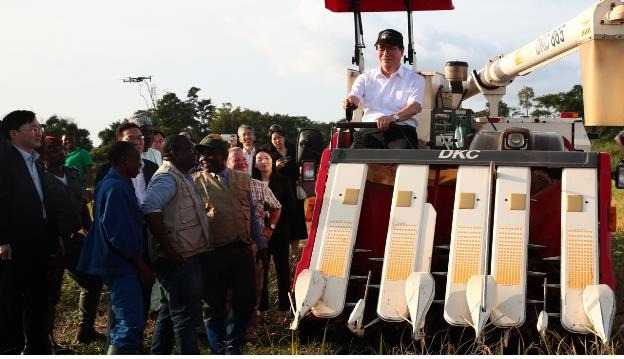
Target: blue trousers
pixel 126 300
pixel 180 306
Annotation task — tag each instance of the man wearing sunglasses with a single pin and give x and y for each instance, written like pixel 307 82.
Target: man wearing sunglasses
pixel 389 95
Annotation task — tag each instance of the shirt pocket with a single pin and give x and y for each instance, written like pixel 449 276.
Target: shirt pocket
pixel 187 212
pixel 398 99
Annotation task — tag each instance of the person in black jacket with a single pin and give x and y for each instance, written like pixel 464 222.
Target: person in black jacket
pixel 284 155
pixel 28 236
pixel 264 170
pixel 67 198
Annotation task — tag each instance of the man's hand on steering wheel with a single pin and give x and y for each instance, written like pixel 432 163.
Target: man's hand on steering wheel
pixel 384 122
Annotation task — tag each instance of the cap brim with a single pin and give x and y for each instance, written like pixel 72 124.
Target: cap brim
pixel 207 147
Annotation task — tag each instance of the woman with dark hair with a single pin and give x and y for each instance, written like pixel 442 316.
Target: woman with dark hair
pixel 285 154
pixel 264 170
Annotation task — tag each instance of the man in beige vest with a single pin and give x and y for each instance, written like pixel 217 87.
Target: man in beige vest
pixel 179 237
pixel 267 209
pixel 230 266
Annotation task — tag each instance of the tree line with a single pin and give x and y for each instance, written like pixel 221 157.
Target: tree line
pixel 200 117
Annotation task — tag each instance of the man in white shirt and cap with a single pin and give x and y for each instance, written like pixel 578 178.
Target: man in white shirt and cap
pixel 389 95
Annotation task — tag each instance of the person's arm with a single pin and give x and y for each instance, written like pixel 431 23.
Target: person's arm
pixel 146 275
pixel 273 206
pixel 405 113
pixel 357 93
pixel 351 101
pixel 119 221
pixel 409 111
pixel 274 217
pixel 160 191
pixel 156 225
pixel 5 247
pixel 618 139
pixel 414 99
pixel 86 216
pixel 256 231
pixel 89 182
pixel 87 167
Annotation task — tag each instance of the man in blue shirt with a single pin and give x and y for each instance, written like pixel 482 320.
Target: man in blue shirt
pixel 114 249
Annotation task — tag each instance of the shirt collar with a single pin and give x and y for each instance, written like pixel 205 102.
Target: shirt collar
pixel 400 72
pixel 113 173
pixel 33 156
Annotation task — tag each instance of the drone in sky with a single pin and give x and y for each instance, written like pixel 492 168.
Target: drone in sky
pixel 137 79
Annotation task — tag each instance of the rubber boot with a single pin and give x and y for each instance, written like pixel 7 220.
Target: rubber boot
pixel 113 350
pixel 88 310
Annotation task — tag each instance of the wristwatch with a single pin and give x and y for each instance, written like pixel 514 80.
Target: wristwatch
pixel 396 118
pixel 272 226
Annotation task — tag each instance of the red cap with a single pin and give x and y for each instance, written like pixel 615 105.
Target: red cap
pixel 53 140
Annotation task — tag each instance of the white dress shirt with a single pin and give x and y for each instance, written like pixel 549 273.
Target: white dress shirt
pixel 153 155
pixel 382 96
pixel 31 164
pixel 250 159
pixel 138 183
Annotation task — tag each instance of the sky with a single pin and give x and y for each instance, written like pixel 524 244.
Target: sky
pixel 68 57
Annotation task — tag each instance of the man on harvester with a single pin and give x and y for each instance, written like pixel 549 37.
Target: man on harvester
pixel 390 94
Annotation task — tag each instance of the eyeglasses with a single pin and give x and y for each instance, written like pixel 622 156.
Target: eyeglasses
pixel 387 48
pixel 132 138
pixel 33 129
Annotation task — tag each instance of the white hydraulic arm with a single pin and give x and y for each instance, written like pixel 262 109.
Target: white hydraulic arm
pixel 602 21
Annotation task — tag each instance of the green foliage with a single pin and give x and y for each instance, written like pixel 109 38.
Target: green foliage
pixel 56 126
pixel 525 98
pixel 604 132
pixel 570 101
pixel 608 145
pixel 553 104
pixel 227 119
pixel 107 136
pixel 503 110
pixel 173 115
pixel 546 105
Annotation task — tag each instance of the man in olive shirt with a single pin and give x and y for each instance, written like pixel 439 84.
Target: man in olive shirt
pixel 230 267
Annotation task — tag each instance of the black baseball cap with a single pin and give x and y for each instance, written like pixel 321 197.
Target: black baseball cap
pixel 390 37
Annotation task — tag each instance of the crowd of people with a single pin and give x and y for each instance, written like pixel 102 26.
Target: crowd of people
pixel 201 220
